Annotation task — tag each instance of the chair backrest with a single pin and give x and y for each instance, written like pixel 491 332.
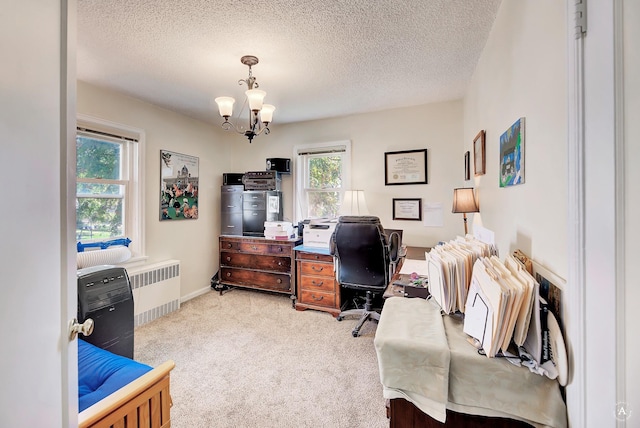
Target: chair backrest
pixel 362 252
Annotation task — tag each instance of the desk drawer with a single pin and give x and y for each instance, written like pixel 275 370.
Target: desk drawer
pixel 318 298
pixel 252 261
pixel 255 279
pixel 327 258
pixel 317 283
pixel 317 268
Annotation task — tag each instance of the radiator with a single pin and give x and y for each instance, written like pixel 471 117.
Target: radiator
pixel 156 290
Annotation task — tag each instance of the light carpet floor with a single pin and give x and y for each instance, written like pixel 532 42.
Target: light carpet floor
pixel 248 359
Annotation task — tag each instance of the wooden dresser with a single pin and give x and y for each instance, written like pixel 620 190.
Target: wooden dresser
pixel 258 263
pixel 317 285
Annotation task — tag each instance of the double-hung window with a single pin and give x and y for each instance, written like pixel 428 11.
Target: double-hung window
pixel 108 189
pixel 323 174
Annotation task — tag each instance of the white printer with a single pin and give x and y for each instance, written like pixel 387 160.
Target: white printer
pixel 317 233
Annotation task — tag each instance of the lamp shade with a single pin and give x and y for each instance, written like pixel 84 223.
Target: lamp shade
pixel 255 97
pixel 266 114
pixel 354 203
pixel 225 105
pixel 464 201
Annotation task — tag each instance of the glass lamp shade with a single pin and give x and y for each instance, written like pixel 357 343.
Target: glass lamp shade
pixel 464 201
pixel 255 97
pixel 225 106
pixel 266 114
pixel 354 203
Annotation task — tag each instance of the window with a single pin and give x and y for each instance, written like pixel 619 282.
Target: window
pixel 108 190
pixel 323 174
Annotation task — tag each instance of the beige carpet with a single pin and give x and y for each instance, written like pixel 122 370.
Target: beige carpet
pixel 248 359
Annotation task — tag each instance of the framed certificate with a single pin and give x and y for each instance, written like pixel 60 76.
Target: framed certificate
pixel 405 167
pixel 407 209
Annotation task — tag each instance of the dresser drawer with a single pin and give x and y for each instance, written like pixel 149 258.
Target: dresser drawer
pixel 317 283
pixel 317 298
pixel 320 269
pixel 256 262
pixel 327 258
pixel 255 279
pixel 229 245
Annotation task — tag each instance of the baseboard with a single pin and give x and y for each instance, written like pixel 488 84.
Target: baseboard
pixel 195 294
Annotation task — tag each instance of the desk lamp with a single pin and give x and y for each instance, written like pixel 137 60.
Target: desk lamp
pixel 354 203
pixel 464 202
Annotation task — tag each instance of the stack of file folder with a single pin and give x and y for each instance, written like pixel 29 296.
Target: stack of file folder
pixel 501 300
pixel 450 268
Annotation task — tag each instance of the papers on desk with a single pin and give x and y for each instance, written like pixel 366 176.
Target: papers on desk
pixel 412 265
pixel 450 268
pixel 501 300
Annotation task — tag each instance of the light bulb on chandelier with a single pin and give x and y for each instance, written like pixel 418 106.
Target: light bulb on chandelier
pixel 260 114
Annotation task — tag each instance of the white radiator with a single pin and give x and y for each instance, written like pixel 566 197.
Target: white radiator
pixel 156 290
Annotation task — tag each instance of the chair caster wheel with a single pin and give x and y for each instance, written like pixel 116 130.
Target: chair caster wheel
pixel 339 318
pixel 355 333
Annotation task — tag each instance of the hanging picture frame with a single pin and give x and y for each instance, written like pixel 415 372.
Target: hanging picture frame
pixel 407 209
pixel 405 167
pixel 178 186
pixel 512 155
pixel 479 156
pixel 467 165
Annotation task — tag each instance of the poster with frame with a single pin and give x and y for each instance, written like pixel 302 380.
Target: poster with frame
pixel 479 156
pixel 178 186
pixel 407 209
pixel 405 167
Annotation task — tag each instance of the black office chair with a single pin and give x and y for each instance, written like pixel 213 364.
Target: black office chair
pixel 363 258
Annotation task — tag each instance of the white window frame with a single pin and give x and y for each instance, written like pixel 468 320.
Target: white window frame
pixel 300 172
pixel 132 161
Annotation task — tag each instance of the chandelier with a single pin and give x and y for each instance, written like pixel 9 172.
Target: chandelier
pixel 260 114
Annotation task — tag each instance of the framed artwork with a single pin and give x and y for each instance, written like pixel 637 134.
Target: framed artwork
pixel 405 167
pixel 479 156
pixel 407 209
pixel 467 165
pixel 178 186
pixel 512 155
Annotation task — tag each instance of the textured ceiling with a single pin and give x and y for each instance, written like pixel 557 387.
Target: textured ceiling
pixel 318 58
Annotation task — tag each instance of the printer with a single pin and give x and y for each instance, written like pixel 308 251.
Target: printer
pixel 317 234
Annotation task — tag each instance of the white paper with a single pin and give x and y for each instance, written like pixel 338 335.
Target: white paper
pixel 412 265
pixel 433 214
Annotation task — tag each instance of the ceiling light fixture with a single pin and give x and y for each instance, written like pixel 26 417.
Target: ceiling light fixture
pixel 260 115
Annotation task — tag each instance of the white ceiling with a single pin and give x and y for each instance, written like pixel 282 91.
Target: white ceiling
pixel 318 58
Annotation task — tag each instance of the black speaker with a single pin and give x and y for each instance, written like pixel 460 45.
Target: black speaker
pixel 282 165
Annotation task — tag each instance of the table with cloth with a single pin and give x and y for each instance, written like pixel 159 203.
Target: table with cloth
pixel 424 357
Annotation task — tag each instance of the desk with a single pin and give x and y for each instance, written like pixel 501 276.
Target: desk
pixel 424 358
pixel 415 253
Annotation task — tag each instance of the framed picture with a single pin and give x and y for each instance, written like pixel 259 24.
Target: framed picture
pixel 467 166
pixel 479 157
pixel 405 167
pixel 407 209
pixel 512 155
pixel 178 186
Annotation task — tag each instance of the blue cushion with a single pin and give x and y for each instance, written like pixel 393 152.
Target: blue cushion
pixel 101 373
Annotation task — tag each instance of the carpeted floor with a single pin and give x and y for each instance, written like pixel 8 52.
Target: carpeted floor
pixel 248 359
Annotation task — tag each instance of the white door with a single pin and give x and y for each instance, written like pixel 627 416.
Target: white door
pixel 37 274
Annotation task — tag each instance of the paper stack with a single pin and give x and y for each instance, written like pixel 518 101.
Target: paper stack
pixel 500 303
pixel 278 230
pixel 449 270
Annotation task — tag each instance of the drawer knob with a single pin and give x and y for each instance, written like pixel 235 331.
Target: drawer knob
pixel 279 281
pixel 280 249
pixel 229 245
pixel 254 248
pixel 280 263
pixel 228 274
pixel 317 269
pixel 228 258
pixel 319 284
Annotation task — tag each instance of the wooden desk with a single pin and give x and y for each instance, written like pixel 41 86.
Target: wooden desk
pixel 414 253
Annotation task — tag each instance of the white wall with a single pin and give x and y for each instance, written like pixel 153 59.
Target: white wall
pixel 436 127
pixel 631 72
pixel 522 73
pixel 193 242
